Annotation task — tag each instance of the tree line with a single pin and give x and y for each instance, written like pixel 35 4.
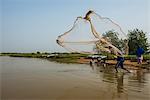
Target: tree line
pixel 136 38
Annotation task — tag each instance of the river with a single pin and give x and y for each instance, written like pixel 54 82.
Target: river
pixel 39 79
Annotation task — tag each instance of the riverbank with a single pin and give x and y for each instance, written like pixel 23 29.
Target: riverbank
pixel 76 58
pixel 57 57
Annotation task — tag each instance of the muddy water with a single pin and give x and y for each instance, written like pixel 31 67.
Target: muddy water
pixel 36 79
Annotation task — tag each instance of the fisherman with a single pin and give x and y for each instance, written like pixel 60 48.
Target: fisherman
pixel 139 53
pixel 120 60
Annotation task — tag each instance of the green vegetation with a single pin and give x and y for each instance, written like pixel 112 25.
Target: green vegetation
pixel 137 38
pixel 29 55
pixel 113 38
pixel 58 57
pixel 130 57
pixel 67 57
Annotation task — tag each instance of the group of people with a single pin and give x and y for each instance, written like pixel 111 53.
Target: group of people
pixel 99 61
pixel 120 59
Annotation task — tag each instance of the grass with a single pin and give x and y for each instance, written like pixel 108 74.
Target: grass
pixel 67 57
pixel 61 57
pixel 28 55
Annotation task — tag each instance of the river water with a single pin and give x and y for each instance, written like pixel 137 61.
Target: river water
pixel 37 79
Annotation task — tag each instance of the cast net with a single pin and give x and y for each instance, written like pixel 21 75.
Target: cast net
pixel 94 34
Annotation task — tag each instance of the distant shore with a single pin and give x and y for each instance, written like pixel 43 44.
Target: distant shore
pixel 77 58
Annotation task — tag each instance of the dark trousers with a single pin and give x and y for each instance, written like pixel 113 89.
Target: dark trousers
pixel 120 63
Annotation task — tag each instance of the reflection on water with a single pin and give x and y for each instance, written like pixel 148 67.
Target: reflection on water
pixel 135 82
pixel 36 79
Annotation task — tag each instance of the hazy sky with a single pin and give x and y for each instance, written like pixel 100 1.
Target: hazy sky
pixel 33 25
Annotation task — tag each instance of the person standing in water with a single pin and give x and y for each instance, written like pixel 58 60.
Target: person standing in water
pixel 120 60
pixel 139 54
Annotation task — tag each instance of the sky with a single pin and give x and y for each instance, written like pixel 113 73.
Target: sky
pixel 33 25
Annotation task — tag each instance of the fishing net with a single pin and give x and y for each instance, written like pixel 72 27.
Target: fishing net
pixel 94 34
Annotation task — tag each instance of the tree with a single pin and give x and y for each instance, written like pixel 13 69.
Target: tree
pixel 38 52
pixel 137 38
pixel 113 38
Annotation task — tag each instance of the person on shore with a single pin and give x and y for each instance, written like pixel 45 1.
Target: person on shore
pixel 101 61
pixel 139 54
pixel 92 61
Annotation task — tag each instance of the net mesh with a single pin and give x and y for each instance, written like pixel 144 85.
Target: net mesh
pixel 94 34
